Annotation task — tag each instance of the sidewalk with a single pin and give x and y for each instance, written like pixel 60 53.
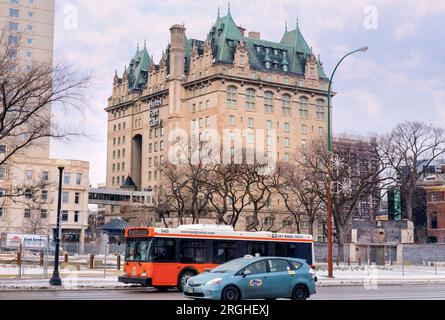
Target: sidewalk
pixel 381 275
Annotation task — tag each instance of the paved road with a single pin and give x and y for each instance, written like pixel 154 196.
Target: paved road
pixel 436 292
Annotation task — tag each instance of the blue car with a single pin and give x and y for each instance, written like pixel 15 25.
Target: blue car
pixel 254 278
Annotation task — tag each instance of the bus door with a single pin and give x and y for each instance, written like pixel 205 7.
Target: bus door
pixel 165 267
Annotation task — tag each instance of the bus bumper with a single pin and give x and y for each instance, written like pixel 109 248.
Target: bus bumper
pixel 141 281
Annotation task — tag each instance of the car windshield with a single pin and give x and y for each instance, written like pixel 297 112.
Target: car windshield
pixel 230 266
pixel 138 250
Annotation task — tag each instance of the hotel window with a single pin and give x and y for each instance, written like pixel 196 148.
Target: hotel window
pixel 77 198
pixel 150 147
pixel 250 99
pixel 114 154
pixel 27 213
pixel 76 216
pixel 114 141
pixel 13 39
pixel 13 26
pixel 161 146
pixel 194 108
pixel 150 162
pixel 433 197
pixel 2 173
pixel 286 156
pixel 113 181
pixel 43 214
pixel 231 120
pixel 286 80
pixel 113 167
pixel 207 121
pixel 28 174
pixel 29 41
pixel 161 159
pixel 193 124
pixel 285 99
pixel 286 142
pixel 67 178
pixel 303 106
pixel 303 129
pixel 303 144
pixel 149 176
pixel 200 122
pixel 231 97
pixel 241 60
pixel 65 197
pixel 64 216
pixel 14 13
pixel 250 123
pixel 30 27
pixel 44 195
pixel 30 14
pixel 286 127
pixel 320 108
pixel 250 138
pixel 320 132
pixel 269 124
pixel 268 102
pixel 156 147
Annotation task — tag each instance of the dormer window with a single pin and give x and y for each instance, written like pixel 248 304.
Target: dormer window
pixel 267 65
pixel 285 68
pixel 258 48
pixel 275 52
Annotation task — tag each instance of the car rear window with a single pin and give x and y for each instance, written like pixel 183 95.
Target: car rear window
pixel 296 265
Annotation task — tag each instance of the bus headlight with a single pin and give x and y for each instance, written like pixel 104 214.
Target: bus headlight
pixel 144 274
pixel 213 282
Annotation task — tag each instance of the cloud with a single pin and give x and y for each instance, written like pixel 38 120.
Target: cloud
pixel 389 81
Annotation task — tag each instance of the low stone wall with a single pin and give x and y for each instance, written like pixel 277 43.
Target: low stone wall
pixel 321 251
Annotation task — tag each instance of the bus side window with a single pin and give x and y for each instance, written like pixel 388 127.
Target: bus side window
pixel 192 251
pixel 254 248
pixel 224 251
pixel 164 250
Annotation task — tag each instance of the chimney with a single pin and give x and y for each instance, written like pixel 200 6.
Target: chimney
pixel 177 51
pixel 254 35
pixel 241 30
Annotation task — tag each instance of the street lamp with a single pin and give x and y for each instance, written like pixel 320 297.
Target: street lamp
pixel 55 279
pixel 328 191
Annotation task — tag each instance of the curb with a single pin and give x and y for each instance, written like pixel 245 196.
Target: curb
pixel 389 282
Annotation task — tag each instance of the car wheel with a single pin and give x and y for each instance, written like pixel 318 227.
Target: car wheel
pixel 230 293
pixel 184 277
pixel 299 293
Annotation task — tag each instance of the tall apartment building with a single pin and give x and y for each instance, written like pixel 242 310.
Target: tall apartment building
pixel 31 23
pixel 228 82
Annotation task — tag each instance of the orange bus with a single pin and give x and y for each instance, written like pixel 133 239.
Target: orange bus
pixel 166 258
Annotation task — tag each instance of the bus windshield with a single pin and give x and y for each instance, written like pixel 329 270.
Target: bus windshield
pixel 138 250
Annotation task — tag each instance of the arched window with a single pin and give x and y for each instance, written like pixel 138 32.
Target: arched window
pixel 303 106
pixel 320 109
pixel 250 99
pixel 268 102
pixel 285 100
pixel 285 68
pixel 231 97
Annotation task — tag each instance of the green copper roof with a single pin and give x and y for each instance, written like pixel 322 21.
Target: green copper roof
pixel 291 52
pixel 138 70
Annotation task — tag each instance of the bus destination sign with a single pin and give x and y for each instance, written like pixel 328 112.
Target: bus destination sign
pixel 138 233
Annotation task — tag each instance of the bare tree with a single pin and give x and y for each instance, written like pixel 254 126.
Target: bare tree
pixel 352 178
pixel 27 94
pixel 408 150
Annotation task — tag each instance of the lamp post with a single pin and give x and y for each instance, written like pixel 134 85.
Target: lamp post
pixel 55 279
pixel 328 191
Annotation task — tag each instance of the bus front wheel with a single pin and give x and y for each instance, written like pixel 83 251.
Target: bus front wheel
pixel 184 277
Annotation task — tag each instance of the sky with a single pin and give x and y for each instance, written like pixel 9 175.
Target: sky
pixel 400 78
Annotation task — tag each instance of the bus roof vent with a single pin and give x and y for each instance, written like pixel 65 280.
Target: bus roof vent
pixel 205 227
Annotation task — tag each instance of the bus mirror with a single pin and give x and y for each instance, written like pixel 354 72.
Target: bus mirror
pixel 207 270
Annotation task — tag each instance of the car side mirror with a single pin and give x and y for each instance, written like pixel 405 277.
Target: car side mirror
pixel 246 273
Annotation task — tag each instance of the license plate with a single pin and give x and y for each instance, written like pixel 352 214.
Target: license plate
pixel 190 290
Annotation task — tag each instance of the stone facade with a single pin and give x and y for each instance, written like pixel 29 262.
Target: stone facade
pixel 36 213
pixel 225 85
